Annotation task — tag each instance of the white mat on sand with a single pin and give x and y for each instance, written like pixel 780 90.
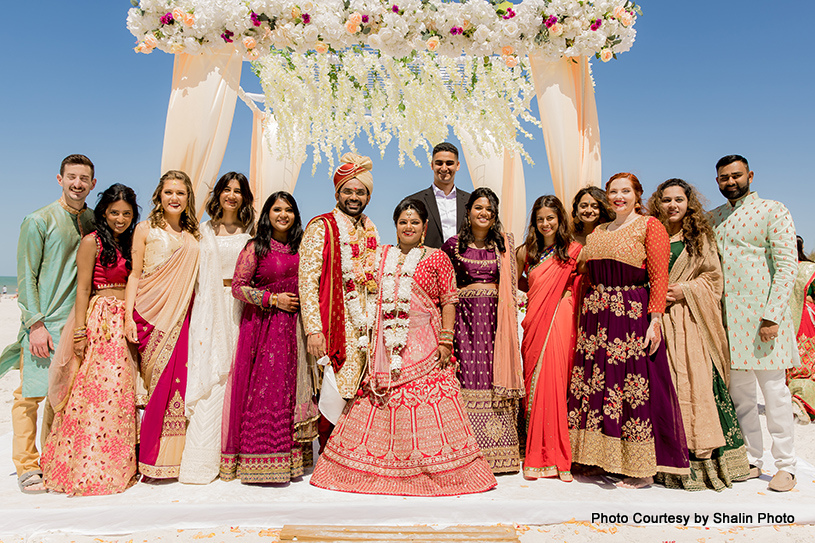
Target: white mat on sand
pixel 178 506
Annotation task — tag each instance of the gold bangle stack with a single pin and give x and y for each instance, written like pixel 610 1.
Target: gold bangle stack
pixel 80 334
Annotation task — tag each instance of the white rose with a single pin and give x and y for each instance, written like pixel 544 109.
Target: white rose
pixel 386 34
pixel 511 29
pixel 311 33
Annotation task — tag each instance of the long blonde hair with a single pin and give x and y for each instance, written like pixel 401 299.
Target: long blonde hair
pixel 189 221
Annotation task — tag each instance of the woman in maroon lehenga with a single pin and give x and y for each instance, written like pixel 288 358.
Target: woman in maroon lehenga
pixel 623 411
pixel 486 331
pixel 408 434
pixel 268 422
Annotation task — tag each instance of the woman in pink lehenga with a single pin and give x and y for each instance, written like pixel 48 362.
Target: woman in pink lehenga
pixel 91 449
pixel 158 299
pixel 408 433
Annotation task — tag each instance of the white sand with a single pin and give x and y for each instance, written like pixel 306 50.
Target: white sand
pixel 569 531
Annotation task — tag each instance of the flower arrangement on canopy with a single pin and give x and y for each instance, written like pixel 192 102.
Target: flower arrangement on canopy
pixel 392 68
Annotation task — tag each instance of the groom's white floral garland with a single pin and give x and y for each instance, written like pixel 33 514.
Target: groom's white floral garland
pixel 357 316
pixel 396 301
pixel 391 68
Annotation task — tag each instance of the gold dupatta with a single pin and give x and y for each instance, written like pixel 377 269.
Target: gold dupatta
pixel 163 299
pixel 702 283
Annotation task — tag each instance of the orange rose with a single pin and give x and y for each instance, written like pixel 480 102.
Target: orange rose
pixel 321 47
pixel 351 27
pixel 627 19
pixel 249 42
pixel 189 19
pixel 511 61
pixel 150 41
pixel 252 54
pixel 178 14
pixel 507 50
pixel 556 30
pixel 606 54
pixel 295 12
pixel 618 12
pixel 355 18
pixel 432 43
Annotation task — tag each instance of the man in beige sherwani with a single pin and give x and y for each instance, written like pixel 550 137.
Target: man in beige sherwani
pixel 336 276
pixel 756 240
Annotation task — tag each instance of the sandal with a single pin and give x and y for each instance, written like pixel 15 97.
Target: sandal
pixel 29 479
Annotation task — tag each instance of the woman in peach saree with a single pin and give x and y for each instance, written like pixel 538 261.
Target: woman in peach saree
pixel 158 300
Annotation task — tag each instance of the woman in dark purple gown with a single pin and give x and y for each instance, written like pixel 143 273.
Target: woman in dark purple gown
pixel 267 427
pixel 486 330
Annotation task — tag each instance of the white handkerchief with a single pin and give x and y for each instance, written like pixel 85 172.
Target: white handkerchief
pixel 331 403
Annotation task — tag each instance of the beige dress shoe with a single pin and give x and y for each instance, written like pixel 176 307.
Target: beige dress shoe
pixel 783 481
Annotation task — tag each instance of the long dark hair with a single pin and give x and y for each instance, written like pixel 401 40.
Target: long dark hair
pixel 110 243
pixel 246 214
pixel 495 234
pixel 802 256
pixel 599 195
pixel 263 236
pixel 695 226
pixel 534 240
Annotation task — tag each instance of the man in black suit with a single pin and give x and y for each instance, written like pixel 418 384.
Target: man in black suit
pixel 445 204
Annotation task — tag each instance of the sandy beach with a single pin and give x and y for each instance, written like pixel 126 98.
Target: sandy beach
pixel 569 531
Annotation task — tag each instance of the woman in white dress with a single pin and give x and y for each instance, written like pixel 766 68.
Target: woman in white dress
pixel 214 324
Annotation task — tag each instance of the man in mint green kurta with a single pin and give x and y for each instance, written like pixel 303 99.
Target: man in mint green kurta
pixel 756 240
pixel 46 280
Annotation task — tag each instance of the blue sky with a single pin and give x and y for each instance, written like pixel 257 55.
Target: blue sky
pixel 699 83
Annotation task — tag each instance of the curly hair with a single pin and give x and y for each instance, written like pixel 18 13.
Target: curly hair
pixel 246 213
pixel 188 222
pixel 606 213
pixel 695 226
pixel 495 235
pixel 534 239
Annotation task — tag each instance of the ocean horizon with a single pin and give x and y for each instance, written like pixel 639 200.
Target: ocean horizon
pixel 10 282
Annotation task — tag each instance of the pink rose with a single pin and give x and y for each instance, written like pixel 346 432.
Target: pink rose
pixel 321 47
pixel 249 42
pixel 433 43
pixel 556 29
pixel 606 54
pixel 351 27
pixel 618 12
pixel 507 50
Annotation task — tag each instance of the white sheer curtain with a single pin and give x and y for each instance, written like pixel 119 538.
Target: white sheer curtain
pixel 199 117
pixel 568 115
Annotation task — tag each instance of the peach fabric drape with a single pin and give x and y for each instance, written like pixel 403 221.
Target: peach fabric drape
pixel 504 174
pixel 199 117
pixel 568 115
pixel 269 173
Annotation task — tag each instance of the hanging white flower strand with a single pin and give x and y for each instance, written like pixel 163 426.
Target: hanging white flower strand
pixel 396 286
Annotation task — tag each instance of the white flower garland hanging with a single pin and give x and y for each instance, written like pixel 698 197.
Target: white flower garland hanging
pixel 358 317
pixel 396 289
pixel 404 69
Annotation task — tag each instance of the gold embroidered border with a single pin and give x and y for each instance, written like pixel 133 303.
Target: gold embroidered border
pixel 614 455
pixel 159 472
pixel 478 293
